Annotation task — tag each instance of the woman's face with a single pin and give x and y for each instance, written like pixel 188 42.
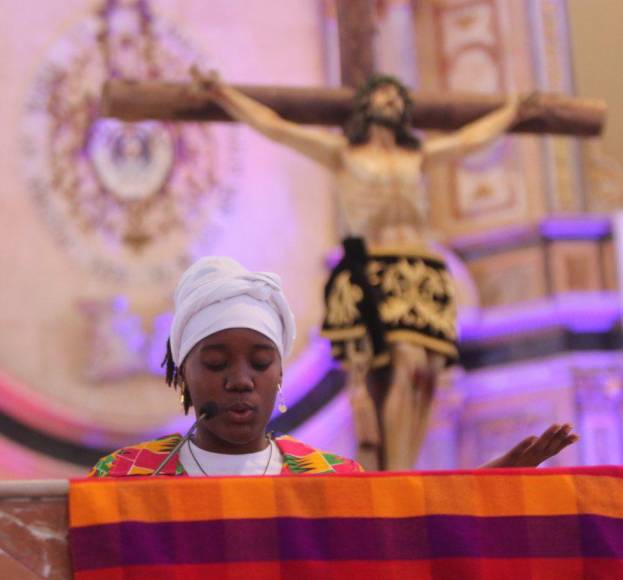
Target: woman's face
pixel 239 370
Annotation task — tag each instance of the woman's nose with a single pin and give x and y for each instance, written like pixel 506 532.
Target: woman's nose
pixel 239 379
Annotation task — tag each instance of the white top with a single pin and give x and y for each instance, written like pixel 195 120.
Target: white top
pixel 216 464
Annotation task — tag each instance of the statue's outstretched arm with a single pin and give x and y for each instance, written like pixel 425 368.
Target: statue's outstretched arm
pixel 321 146
pixel 475 134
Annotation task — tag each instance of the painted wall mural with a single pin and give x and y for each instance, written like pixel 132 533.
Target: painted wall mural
pixel 113 193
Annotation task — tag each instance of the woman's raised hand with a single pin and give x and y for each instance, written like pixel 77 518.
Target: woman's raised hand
pixel 534 450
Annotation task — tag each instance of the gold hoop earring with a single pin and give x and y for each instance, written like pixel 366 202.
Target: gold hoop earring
pixel 182 395
pixel 281 401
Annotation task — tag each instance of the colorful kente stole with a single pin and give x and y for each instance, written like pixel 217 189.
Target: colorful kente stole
pixel 144 459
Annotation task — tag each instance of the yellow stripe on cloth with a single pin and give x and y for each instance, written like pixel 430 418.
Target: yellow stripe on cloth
pixel 478 493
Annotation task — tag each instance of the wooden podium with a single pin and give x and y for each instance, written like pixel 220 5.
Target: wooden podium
pixel 474 525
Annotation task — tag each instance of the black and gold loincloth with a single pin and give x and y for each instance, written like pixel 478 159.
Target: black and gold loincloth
pixel 412 293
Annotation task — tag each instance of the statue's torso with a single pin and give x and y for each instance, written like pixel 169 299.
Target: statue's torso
pixel 382 195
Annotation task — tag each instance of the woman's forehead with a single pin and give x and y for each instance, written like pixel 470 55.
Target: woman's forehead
pixel 238 336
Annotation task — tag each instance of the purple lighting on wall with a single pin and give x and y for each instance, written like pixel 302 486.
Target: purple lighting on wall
pixel 581 312
pixel 311 366
pixel 581 228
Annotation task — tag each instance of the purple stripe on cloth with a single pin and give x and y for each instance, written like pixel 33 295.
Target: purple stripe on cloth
pixel 426 537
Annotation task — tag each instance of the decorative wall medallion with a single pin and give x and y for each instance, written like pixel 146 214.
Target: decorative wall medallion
pixel 126 199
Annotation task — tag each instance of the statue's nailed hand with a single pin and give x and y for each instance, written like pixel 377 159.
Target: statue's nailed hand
pixel 534 450
pixel 206 83
pixel 529 106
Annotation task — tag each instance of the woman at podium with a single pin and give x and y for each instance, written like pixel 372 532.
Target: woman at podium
pixel 231 331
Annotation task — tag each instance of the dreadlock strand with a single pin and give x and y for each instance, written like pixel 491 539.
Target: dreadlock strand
pixel 171 376
pixel 187 401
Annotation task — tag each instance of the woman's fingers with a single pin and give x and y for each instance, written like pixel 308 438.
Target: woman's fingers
pixel 546 438
pixel 553 440
pixel 569 440
pixel 557 438
pixel 532 451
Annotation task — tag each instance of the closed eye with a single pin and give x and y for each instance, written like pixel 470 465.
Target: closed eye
pixel 215 366
pixel 261 366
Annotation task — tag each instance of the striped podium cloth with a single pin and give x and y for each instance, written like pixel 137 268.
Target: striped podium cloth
pixel 496 524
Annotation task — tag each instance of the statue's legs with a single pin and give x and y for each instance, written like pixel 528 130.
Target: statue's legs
pixel 407 406
pixel 424 402
pixel 391 386
pixel 365 417
pixel 366 422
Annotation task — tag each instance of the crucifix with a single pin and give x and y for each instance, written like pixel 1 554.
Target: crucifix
pixel 390 306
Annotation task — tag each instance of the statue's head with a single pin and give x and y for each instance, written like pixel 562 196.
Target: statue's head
pixel 383 100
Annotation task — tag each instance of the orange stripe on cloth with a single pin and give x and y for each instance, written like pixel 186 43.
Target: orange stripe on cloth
pixel 477 493
pixel 439 569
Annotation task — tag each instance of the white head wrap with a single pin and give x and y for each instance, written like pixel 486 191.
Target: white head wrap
pixel 218 293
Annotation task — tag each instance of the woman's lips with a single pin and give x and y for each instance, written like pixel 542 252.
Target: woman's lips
pixel 240 412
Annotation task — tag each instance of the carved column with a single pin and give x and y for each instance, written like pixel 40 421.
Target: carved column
pixel 553 73
pixel 599 393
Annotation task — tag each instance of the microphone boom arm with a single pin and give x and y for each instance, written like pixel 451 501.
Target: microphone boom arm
pixel 207 412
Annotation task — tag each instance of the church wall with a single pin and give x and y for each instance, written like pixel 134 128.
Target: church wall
pixel 595 58
pixel 84 308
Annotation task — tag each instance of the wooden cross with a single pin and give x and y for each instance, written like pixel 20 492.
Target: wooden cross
pixel 554 114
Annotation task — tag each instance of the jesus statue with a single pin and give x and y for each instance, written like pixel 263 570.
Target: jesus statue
pixel 390 304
